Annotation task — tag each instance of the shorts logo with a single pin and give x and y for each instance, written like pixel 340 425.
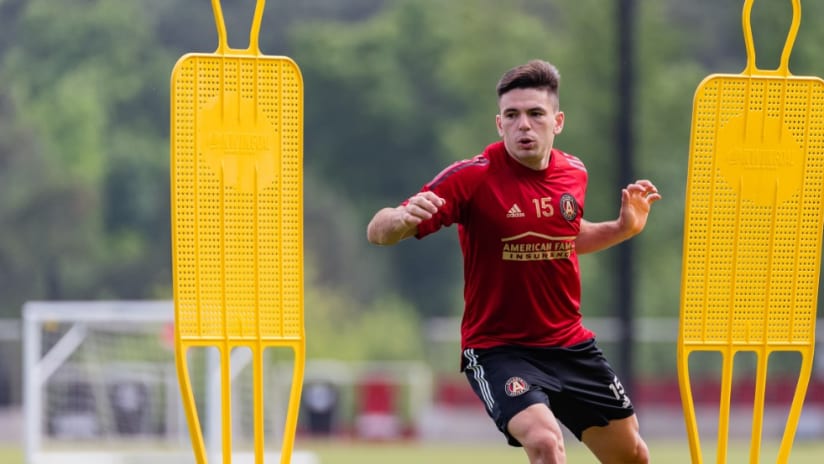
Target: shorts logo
pixel 569 207
pixel 516 386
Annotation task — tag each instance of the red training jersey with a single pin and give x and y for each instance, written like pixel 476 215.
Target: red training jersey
pixel 517 229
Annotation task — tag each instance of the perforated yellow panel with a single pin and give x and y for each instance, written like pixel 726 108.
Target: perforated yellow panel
pixel 753 228
pixel 753 216
pixel 237 184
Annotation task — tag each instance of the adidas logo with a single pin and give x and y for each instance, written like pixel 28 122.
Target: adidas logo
pixel 515 212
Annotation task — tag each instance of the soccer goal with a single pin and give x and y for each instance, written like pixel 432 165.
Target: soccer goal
pixel 100 386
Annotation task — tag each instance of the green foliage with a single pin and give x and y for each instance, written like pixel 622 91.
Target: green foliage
pixel 339 327
pixel 665 91
pixel 84 65
pixel 92 112
pixel 403 105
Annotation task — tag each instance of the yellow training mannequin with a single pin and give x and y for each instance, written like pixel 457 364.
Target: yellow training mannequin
pixel 237 218
pixel 753 224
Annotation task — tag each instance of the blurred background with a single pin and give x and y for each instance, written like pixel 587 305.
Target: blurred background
pixel 395 90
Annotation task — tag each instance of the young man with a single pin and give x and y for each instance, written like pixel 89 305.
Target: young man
pixel 519 208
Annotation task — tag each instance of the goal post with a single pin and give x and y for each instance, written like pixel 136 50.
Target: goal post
pixel 100 386
pixel 95 374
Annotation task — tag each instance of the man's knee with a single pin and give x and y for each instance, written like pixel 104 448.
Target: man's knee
pixel 636 453
pixel 641 453
pixel 537 430
pixel 545 442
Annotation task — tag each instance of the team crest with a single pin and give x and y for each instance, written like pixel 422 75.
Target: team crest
pixel 516 386
pixel 569 207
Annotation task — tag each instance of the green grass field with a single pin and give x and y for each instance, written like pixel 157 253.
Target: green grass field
pixel 661 452
pixel 413 453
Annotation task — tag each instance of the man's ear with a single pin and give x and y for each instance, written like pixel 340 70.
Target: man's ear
pixel 498 125
pixel 560 117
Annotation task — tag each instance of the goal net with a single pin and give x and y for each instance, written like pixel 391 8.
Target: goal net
pixel 100 386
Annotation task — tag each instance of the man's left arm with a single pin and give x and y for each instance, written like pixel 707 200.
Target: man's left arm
pixel 636 200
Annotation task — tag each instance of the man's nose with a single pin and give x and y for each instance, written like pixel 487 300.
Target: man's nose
pixel 523 122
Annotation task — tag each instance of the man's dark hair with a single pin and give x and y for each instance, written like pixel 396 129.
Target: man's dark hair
pixel 536 74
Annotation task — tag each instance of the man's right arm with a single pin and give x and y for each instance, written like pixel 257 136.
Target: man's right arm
pixel 391 225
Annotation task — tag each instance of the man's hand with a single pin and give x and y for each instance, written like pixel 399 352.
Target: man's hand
pixel 636 200
pixel 420 207
pixel 391 225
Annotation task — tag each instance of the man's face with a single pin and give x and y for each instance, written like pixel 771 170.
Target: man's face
pixel 528 122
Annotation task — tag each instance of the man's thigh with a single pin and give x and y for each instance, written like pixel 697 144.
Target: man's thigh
pixel 505 385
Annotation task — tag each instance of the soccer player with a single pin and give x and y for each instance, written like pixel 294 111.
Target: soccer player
pixel 519 208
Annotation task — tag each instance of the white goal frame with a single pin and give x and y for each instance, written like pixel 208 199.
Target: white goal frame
pixel 39 366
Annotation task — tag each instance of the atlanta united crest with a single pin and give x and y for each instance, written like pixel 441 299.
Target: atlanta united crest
pixel 516 386
pixel 569 207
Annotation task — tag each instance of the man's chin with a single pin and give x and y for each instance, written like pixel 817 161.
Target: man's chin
pixel 532 159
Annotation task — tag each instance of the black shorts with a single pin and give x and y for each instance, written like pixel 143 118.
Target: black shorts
pixel 576 382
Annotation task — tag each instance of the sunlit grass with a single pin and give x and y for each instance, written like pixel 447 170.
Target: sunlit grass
pixel 345 452
pixel 669 452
